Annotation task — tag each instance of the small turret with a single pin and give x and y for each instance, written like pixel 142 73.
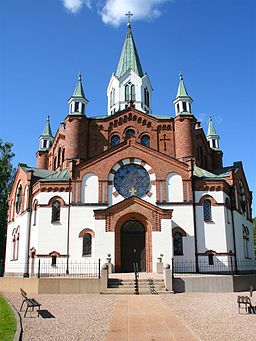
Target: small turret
pixel 45 142
pixel 46 138
pixel 212 137
pixel 77 102
pixel 182 101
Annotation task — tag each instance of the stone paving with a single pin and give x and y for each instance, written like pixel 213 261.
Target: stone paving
pixel 145 318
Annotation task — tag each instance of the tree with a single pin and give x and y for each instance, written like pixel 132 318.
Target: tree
pixel 6 179
pixel 254 232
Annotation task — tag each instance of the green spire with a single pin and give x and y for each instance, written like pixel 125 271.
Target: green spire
pixel 211 130
pixel 182 92
pixel 47 132
pixel 129 59
pixel 79 91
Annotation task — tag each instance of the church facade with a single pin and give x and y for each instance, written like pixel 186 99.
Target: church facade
pixel 129 186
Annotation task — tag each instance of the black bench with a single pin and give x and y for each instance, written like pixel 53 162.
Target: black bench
pixel 30 302
pixel 244 301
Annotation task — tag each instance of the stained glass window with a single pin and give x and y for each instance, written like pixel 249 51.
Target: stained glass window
pixel 56 211
pixel 115 140
pixel 145 139
pixel 207 210
pixel 87 245
pixel 18 199
pixel 130 132
pixel 177 244
pixel 132 180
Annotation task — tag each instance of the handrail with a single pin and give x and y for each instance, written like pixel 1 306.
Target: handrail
pixel 136 274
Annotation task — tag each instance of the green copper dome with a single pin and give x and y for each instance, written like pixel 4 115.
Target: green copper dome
pixel 129 59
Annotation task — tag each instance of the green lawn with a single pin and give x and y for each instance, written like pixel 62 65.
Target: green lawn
pixel 7 321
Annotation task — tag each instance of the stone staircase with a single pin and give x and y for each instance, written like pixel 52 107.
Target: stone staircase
pixel 142 286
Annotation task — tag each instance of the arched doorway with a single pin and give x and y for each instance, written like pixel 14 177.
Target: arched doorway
pixel 133 246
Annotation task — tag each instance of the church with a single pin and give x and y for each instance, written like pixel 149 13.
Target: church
pixel 129 187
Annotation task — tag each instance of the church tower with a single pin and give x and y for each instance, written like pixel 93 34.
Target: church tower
pixel 129 85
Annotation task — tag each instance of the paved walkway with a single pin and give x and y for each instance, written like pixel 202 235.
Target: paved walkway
pixel 145 317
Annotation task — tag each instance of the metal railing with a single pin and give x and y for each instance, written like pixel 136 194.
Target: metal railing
pixel 43 268
pixel 219 266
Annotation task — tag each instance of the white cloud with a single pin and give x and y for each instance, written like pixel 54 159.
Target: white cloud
pixel 113 11
pixel 75 5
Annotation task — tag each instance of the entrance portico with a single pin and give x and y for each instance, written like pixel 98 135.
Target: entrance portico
pixel 136 223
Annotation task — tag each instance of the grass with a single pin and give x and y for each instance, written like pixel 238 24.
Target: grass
pixel 7 321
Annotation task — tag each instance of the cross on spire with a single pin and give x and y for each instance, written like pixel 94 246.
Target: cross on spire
pixel 129 15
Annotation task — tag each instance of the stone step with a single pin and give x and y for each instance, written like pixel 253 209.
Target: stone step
pixel 124 291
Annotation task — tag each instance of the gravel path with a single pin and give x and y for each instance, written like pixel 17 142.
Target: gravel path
pixel 213 316
pixel 76 317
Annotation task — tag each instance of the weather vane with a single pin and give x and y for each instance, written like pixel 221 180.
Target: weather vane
pixel 129 15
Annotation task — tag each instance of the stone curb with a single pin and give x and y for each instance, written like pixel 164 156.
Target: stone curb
pixel 18 334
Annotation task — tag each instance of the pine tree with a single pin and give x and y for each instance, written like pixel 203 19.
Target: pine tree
pixel 6 179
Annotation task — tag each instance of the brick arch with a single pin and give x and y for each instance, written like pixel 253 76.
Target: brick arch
pixel 56 198
pixel 208 197
pixel 179 230
pixel 130 127
pixel 86 230
pixel 148 238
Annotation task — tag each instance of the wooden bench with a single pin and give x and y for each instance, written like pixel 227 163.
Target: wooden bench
pixel 30 302
pixel 244 301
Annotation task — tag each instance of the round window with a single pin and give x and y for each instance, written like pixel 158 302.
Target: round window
pixel 132 180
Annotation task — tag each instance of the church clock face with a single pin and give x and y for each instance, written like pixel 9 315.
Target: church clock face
pixel 132 180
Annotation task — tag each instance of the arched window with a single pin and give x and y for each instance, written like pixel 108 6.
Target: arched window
pixel 35 212
pixel 18 199
pixel 87 245
pixel 59 156
pixel 130 132
pixel 177 244
pixel 207 210
pixel 126 93
pixel 133 97
pixel 55 211
pixel 246 238
pixel 145 139
pixel 55 163
pixel 146 97
pixel 15 243
pixel 242 196
pixel 115 140
pixel 63 155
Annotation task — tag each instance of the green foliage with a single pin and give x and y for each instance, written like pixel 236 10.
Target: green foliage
pixel 254 232
pixel 7 321
pixel 6 179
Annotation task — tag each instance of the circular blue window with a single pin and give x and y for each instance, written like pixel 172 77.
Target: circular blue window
pixel 132 180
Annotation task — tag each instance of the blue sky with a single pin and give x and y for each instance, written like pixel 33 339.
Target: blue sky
pixel 44 45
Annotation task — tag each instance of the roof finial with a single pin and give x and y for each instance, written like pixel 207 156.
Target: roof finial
pixel 48 117
pixel 79 76
pixel 129 15
pixel 181 78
